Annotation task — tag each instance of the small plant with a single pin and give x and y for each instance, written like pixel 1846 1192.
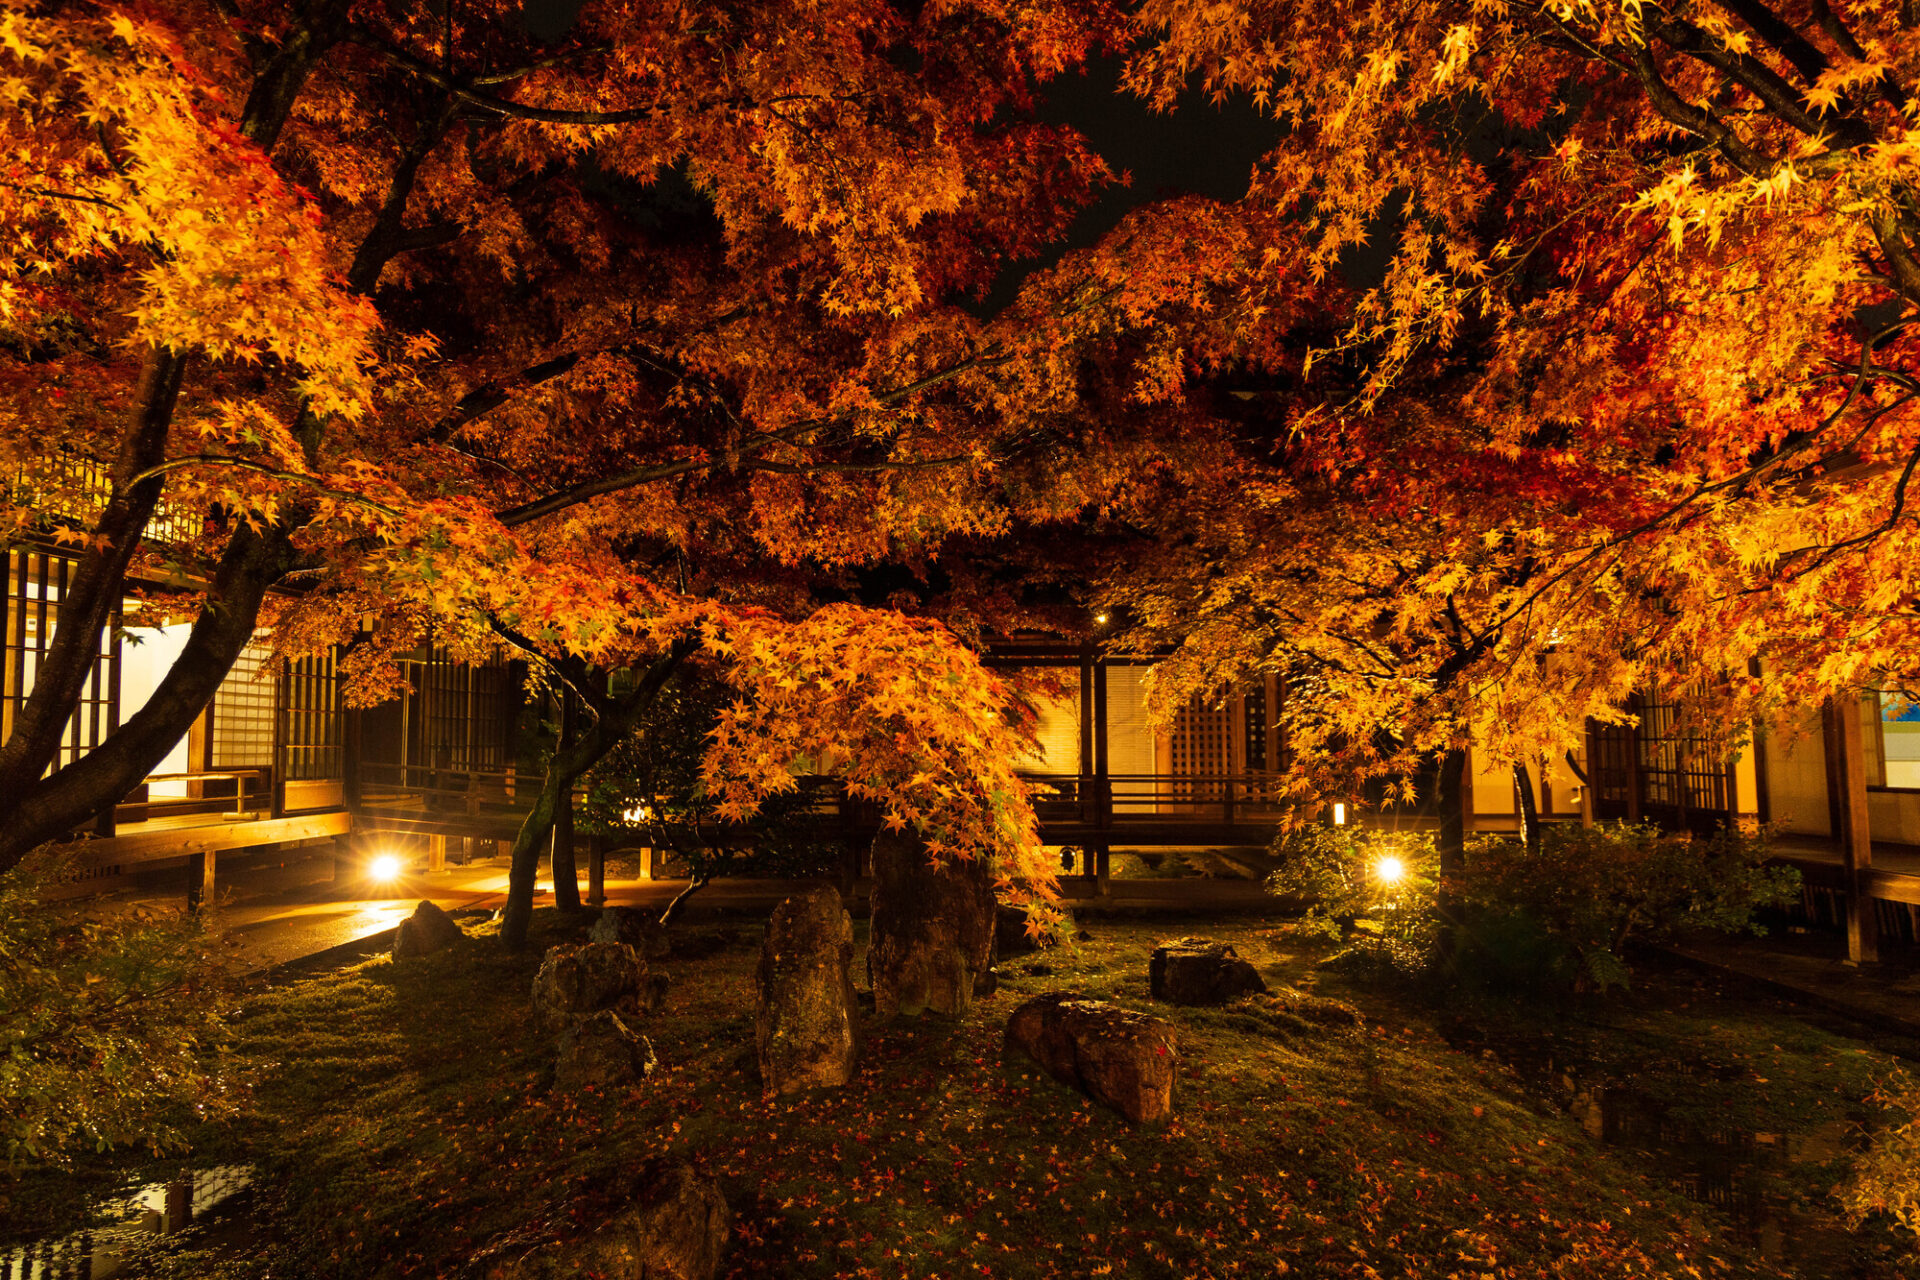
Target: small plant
pixel 1372 889
pixel 109 1027
pixel 1886 1175
pixel 1569 908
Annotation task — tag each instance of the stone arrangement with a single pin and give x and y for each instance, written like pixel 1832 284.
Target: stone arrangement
pixel 807 1017
pixel 933 929
pixel 1201 971
pixel 1118 1057
pixel 638 929
pixel 601 1052
pixel 427 930
pixel 674 1227
pixel 576 981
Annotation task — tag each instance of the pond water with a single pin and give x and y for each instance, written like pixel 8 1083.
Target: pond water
pixel 154 1208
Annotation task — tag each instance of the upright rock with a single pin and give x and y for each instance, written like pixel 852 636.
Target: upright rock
pixel 807 1022
pixel 600 1052
pixel 1010 937
pixel 638 929
pixel 427 930
pixel 1200 971
pixel 932 935
pixel 576 981
pixel 674 1228
pixel 1113 1055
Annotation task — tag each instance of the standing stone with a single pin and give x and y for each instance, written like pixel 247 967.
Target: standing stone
pixel 807 1023
pixel 932 932
pixel 1113 1055
pixel 638 929
pixel 1200 971
pixel 674 1228
pixel 576 981
pixel 1010 936
pixel 600 1052
pixel 427 930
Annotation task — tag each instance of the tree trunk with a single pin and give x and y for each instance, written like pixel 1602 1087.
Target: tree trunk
pixel 613 723
pixel 47 809
pixel 1529 808
pixel 1451 844
pixel 674 908
pixel 98 581
pixel 566 874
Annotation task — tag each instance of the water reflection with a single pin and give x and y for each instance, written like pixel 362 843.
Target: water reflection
pixel 157 1208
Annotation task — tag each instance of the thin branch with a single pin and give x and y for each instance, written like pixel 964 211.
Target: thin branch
pixel 261 468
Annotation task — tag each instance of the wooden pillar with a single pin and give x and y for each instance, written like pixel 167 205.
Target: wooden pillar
pixel 646 861
pixel 1103 877
pixel 199 879
pixel 1089 798
pixel 597 869
pixel 436 854
pixel 1102 785
pixel 1847 788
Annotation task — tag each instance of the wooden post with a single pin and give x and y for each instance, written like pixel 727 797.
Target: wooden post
pixel 436 854
pixel 646 861
pixel 1103 882
pixel 1847 778
pixel 199 879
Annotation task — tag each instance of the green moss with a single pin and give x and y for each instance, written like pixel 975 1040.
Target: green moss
pixel 408 1119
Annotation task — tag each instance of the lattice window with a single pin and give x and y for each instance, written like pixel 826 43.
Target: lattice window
pixel 243 714
pixel 36 583
pixel 1256 734
pixel 1202 751
pixel 314 731
pixel 462 715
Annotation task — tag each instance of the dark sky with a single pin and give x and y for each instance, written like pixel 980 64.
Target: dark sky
pixel 1194 149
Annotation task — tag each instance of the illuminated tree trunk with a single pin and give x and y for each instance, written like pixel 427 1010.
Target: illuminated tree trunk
pixel 615 719
pixel 1451 843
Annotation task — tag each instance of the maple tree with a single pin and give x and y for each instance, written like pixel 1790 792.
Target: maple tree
pixel 630 350
pixel 1614 387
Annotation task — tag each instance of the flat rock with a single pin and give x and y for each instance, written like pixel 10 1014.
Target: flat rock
pixel 1200 971
pixel 638 929
pixel 807 1017
pixel 932 932
pixel 602 1052
pixel 427 930
pixel 576 981
pixel 1113 1055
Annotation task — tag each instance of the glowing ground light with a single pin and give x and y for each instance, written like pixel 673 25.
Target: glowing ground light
pixel 1389 871
pixel 384 867
pixel 1339 815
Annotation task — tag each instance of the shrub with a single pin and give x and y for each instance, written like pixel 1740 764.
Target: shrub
pixel 1886 1175
pixel 109 1027
pixel 1569 908
pixel 1372 889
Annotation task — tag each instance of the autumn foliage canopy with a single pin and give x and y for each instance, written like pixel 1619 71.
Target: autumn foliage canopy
pixel 1553 349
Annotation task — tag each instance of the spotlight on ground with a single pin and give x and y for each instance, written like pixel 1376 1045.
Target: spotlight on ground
pixel 1389 871
pixel 384 868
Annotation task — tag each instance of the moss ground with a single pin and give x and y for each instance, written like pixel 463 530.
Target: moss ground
pixel 405 1123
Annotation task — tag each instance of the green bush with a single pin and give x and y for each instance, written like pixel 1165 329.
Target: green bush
pixel 1372 889
pixel 110 1027
pixel 1886 1175
pixel 1567 910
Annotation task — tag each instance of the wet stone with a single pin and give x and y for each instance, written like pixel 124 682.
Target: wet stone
pixel 602 1052
pixel 807 1017
pixel 427 930
pixel 1201 971
pixel 638 929
pixel 574 982
pixel 1115 1056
